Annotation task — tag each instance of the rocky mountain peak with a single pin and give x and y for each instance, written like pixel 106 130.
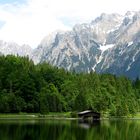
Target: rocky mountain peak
pixel 101 45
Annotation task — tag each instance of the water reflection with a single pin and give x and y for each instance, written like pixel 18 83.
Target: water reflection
pixel 69 130
pixel 88 123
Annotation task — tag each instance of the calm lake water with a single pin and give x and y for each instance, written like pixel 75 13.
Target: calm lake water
pixel 69 130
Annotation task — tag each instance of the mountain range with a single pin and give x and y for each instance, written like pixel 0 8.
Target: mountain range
pixel 14 49
pixel 108 44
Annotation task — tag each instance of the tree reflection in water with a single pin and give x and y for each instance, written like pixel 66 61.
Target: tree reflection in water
pixel 69 130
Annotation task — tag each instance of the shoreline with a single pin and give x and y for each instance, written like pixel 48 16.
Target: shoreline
pixel 55 117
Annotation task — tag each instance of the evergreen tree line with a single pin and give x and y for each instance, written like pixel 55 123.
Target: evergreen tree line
pixel 42 88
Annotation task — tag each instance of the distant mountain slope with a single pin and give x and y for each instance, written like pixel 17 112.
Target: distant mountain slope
pixel 13 48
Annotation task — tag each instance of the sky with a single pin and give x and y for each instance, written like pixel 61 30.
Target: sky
pixel 29 21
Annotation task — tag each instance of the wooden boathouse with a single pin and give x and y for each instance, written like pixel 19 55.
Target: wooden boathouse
pixel 89 113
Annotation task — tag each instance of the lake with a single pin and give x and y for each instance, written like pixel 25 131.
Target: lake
pixel 69 130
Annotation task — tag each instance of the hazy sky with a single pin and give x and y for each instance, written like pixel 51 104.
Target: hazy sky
pixel 29 21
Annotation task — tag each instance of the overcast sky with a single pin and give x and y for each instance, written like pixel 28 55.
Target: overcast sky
pixel 29 21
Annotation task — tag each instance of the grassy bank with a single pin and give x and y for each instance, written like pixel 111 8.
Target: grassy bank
pixel 52 115
pixel 57 115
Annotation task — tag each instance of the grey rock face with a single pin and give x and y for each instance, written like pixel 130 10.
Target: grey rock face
pixel 71 50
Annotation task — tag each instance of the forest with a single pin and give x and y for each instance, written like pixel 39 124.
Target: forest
pixel 43 88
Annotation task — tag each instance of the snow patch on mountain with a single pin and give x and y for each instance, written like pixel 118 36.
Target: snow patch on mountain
pixel 98 60
pixel 133 60
pixel 105 47
pixel 130 43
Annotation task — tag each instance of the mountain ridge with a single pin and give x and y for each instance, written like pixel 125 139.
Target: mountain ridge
pixel 108 44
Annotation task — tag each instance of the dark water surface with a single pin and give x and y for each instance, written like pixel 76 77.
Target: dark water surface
pixel 69 130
